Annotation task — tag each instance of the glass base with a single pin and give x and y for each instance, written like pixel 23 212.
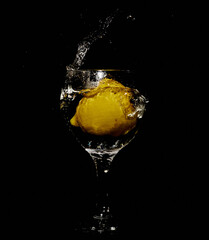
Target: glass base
pixel 102 224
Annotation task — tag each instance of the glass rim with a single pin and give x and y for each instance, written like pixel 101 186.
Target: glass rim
pixel 99 69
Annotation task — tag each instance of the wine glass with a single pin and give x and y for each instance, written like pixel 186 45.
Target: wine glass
pixel 102 109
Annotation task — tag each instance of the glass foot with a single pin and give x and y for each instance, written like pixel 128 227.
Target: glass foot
pixel 98 225
pixel 104 223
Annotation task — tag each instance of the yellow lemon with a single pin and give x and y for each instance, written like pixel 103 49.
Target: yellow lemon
pixel 104 110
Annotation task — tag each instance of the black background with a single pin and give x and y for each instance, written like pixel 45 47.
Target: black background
pixel 156 181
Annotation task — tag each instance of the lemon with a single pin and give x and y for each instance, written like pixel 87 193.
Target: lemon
pixel 104 110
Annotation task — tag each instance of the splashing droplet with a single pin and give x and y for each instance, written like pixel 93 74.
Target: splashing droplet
pixel 130 17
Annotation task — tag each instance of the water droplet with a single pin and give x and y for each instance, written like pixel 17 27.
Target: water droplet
pixel 112 228
pixel 130 17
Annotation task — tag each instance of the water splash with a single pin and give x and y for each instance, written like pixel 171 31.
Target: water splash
pixel 85 44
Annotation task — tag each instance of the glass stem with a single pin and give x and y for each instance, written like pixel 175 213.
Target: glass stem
pixel 103 181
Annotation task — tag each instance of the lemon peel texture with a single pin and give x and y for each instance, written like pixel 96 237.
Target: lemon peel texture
pixel 105 110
